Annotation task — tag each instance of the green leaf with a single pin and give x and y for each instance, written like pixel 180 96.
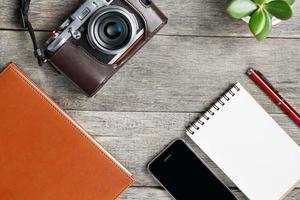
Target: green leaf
pixel 266 30
pixel 279 9
pixel 290 2
pixel 257 22
pixel 259 2
pixel 241 8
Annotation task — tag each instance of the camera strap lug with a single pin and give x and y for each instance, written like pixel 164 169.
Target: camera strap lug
pixel 25 23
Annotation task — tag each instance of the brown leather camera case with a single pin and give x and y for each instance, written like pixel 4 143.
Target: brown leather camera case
pixel 90 74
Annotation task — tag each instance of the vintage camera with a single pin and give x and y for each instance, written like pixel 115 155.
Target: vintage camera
pixel 100 37
pixel 105 29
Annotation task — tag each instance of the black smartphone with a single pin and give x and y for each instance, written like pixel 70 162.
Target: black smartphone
pixel 178 169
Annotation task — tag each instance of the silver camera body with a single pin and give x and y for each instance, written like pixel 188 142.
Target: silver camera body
pixel 104 28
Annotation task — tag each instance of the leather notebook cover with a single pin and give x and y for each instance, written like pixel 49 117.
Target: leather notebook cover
pixel 44 154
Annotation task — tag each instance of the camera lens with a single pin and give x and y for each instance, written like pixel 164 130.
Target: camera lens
pixel 111 29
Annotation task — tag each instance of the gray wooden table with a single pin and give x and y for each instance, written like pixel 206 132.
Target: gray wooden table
pixel 168 83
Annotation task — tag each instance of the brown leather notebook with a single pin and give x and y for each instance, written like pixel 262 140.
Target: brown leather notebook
pixel 44 154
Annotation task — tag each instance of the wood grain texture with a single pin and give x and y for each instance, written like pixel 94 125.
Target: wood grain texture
pixel 135 137
pixel 172 73
pixel 190 17
pixel 138 193
pixel 198 55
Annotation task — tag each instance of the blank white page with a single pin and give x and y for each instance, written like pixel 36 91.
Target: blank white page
pixel 249 146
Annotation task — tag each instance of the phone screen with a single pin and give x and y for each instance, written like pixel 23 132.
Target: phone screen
pixel 184 175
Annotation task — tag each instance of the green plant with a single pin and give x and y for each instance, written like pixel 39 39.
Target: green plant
pixel 260 13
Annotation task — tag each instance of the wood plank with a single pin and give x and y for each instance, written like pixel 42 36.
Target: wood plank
pixel 182 74
pixel 145 193
pixel 134 138
pixel 191 17
pixel 172 73
pixel 150 193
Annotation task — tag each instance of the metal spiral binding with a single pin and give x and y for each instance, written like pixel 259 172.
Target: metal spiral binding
pixel 195 126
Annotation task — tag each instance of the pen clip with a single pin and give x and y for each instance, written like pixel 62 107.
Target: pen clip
pixel 266 81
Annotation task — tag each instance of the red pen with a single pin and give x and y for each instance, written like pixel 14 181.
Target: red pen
pixel 261 81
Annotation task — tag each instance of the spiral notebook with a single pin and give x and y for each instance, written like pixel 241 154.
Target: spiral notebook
pixel 248 146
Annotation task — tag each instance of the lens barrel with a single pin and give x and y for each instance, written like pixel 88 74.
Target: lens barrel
pixel 112 29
